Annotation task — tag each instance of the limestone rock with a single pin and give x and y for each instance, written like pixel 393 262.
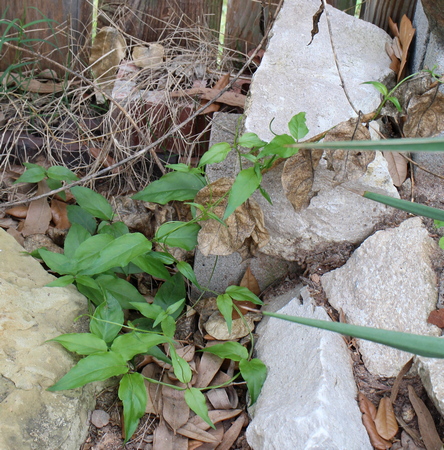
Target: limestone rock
pixel 309 398
pixel 431 371
pixel 388 283
pixel 295 77
pixel 30 314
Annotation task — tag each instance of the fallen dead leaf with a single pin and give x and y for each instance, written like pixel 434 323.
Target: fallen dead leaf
pixel 18 211
pixel 154 401
pixel 39 213
pixel 385 420
pixel 175 410
pixel 208 366
pixel 426 424
pixel 348 164
pixel 233 432
pixel 437 318
pixel 16 235
pixel 220 84
pixel 217 327
pixel 193 432
pixel 406 33
pixel 165 439
pixel 397 167
pixel 245 230
pixel 218 434
pixel 369 413
pixel 425 115
pixel 59 214
pixel 298 176
pixel 395 388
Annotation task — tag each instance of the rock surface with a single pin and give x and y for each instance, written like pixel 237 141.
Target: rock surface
pixel 431 371
pixel 309 398
pixel 388 283
pixel 295 77
pixel 30 314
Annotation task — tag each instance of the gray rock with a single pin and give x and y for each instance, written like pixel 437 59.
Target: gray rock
pixel 431 371
pixel 309 398
pixel 30 314
pixel 294 77
pixel 336 215
pixel 388 283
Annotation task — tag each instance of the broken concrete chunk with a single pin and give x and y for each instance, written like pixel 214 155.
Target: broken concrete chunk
pixel 388 283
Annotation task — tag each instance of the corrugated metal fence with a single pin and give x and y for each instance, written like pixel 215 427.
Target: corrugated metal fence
pixel 146 19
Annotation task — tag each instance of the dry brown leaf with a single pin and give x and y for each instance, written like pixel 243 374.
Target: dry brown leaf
pixel 59 214
pixel 298 175
pixel 39 213
pixel 148 57
pixel 16 235
pixel 186 352
pixel 437 318
pixel 104 158
pixel 165 439
pixel 426 424
pixel 209 365
pixel 385 421
pixel 395 388
pixel 425 115
pixel 366 406
pixel 18 211
pixel 406 33
pixel 348 164
pixel 250 282
pixel 8 222
pixel 219 398
pixel 228 98
pixel 369 413
pixel 216 326
pixel 154 400
pixel 218 434
pixel 175 410
pixel 397 166
pixel 220 84
pixel 233 432
pixel 245 227
pixel 393 27
pixel 191 431
pixel 215 416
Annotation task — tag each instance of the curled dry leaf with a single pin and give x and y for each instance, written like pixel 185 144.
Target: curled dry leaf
pixel 369 414
pixel 425 115
pixel 216 326
pixel 437 318
pixel 245 228
pixel 220 84
pixel 386 424
pixel 59 214
pixel 348 164
pixel 426 424
pixel 397 166
pixel 298 176
pixel 18 211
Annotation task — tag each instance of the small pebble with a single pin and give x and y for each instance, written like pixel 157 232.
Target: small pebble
pixel 99 418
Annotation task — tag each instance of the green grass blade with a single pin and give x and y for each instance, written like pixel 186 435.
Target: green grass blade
pixel 428 346
pixel 404 205
pixel 394 145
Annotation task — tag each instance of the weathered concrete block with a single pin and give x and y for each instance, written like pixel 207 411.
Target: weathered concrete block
pixel 388 283
pixel 309 398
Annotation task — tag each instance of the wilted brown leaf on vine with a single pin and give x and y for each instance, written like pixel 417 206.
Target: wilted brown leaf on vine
pixel 244 231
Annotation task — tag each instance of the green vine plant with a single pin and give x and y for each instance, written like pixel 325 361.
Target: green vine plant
pixel 98 250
